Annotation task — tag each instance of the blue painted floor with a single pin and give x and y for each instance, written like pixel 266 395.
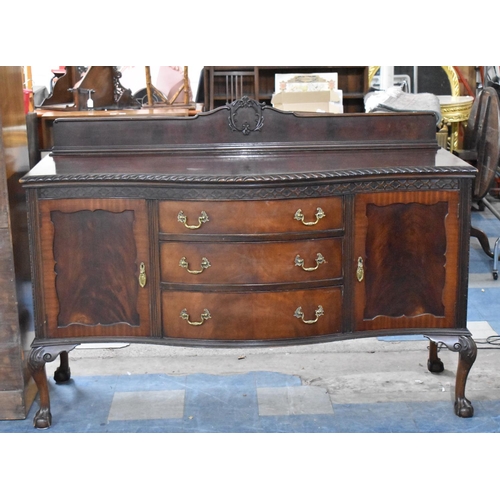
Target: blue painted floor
pixel 237 404
pixel 265 401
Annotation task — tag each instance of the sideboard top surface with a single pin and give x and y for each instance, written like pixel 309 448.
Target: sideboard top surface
pixel 244 169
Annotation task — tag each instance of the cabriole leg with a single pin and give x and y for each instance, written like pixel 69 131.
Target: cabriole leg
pixel 36 363
pixel 467 351
pixel 466 357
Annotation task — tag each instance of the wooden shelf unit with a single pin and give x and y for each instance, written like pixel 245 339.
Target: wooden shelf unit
pixel 258 83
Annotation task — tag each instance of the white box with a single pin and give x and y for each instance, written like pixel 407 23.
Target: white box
pixel 304 82
pixel 314 102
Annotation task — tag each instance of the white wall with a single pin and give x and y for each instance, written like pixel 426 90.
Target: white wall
pixel 41 75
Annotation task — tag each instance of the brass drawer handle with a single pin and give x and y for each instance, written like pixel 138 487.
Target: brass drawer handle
pixel 299 314
pixel 142 275
pixel 360 270
pixel 204 316
pixel 299 261
pixel 205 264
pixel 201 219
pixel 300 216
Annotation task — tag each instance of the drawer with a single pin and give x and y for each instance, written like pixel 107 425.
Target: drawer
pixel 252 316
pixel 251 263
pixel 251 217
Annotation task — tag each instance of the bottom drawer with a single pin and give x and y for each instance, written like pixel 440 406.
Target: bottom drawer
pixel 252 316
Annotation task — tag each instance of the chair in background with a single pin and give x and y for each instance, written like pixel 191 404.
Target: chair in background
pixel 237 85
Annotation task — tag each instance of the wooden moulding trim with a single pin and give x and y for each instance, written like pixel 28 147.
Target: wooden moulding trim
pixel 435 332
pixel 232 192
pixel 255 149
pixel 251 287
pixel 242 179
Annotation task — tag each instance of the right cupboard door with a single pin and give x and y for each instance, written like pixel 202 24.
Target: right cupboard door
pixel 406 254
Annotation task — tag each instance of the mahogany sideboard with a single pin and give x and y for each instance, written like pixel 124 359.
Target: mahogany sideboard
pixel 248 226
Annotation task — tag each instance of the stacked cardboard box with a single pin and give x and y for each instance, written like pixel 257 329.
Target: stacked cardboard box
pixel 308 93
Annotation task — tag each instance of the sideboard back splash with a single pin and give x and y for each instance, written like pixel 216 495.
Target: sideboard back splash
pixel 244 127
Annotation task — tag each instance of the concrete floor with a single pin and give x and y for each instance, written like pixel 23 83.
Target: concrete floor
pixel 384 371
pixel 355 386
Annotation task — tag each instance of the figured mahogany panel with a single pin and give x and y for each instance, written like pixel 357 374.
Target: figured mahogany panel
pixel 409 246
pixel 252 316
pixel 247 263
pixel 92 251
pixel 406 257
pixel 96 264
pixel 252 217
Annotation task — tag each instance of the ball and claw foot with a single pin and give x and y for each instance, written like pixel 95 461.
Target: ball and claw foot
pixel 43 419
pixel 464 408
pixel 62 375
pixel 435 366
pixel 38 357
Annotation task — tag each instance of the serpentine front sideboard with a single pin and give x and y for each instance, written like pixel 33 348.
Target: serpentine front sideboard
pixel 248 226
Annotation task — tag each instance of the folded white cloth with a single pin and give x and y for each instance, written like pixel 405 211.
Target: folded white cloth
pixel 394 99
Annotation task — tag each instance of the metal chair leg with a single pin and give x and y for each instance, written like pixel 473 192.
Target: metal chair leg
pixel 496 250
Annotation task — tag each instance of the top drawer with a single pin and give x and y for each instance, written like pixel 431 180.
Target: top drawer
pixel 251 217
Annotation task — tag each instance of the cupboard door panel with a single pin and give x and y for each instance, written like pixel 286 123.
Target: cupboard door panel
pixel 408 243
pixel 406 254
pixel 92 256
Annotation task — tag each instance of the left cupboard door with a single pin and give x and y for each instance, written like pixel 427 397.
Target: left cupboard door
pixel 95 264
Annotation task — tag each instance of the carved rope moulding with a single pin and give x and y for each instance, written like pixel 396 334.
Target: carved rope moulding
pixel 240 179
pixel 256 193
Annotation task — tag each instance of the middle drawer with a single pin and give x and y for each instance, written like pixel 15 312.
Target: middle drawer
pixel 251 262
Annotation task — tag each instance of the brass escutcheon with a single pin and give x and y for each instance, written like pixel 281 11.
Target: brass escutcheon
pixel 299 261
pixel 300 216
pixel 201 219
pixel 205 264
pixel 205 315
pixel 299 314
pixel 142 275
pixel 360 270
